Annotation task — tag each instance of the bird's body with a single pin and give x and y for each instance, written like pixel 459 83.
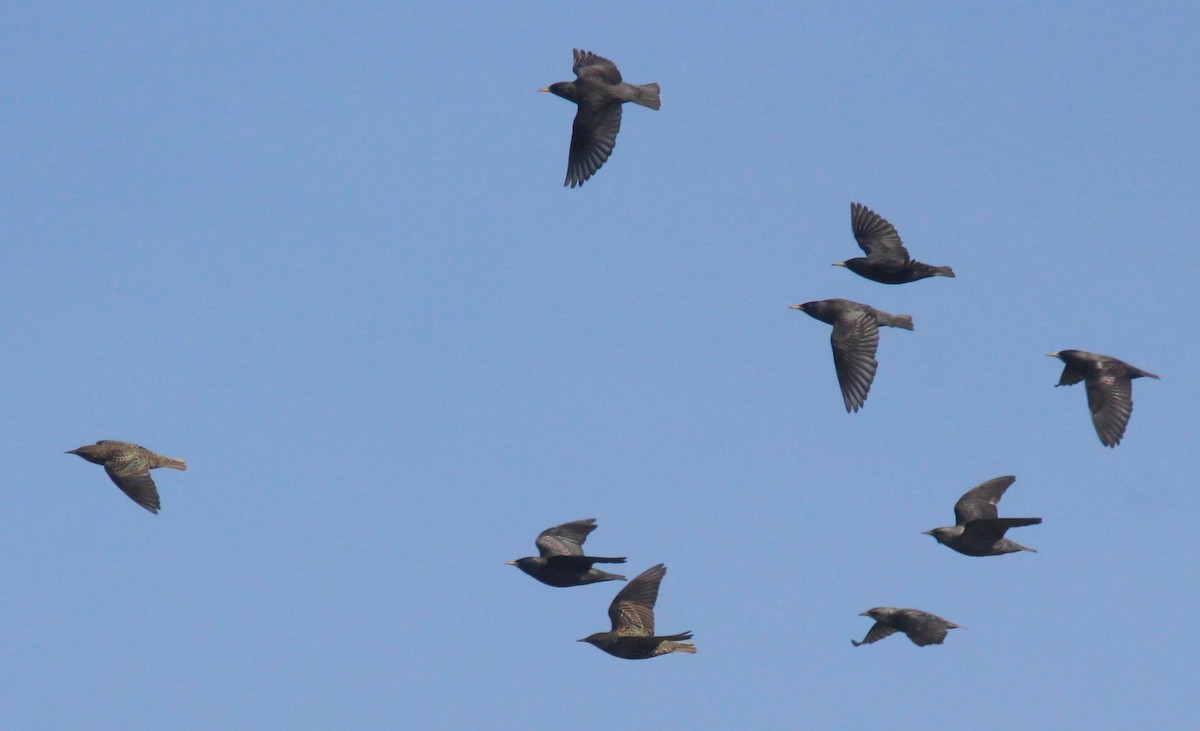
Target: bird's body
pixel 129 465
pixel 632 614
pixel 978 529
pixel 887 261
pixel 1109 389
pixel 855 340
pixel 922 628
pixel 560 560
pixel 599 92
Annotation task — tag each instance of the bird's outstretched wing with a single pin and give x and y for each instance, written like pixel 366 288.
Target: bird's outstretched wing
pixel 593 136
pixel 878 631
pixel 855 341
pixel 566 539
pixel 979 503
pixel 1110 399
pixel 131 475
pixel 632 610
pixel 875 235
pixel 588 65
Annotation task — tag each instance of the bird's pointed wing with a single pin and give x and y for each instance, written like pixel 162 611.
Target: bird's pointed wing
pixel 566 539
pixel 923 628
pixel 994 529
pixel 875 235
pixel 979 503
pixel 593 137
pixel 135 481
pixel 878 631
pixel 1071 375
pixel 1110 399
pixel 855 341
pixel 632 610
pixel 589 65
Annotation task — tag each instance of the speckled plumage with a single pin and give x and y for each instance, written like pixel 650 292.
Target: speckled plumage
pixel 632 615
pixel 129 465
pixel 560 560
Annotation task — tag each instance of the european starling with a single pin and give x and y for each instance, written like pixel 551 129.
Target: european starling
pixel 561 561
pixel 632 614
pixel 129 467
pixel 855 339
pixel 1109 389
pixel 922 628
pixel 887 260
pixel 599 93
pixel 978 529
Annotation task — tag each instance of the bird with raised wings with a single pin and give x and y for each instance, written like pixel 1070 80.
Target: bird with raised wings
pixel 599 93
pixel 887 261
pixel 129 465
pixel 560 560
pixel 979 530
pixel 632 614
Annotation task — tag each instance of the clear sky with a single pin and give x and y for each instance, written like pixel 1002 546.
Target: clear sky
pixel 324 254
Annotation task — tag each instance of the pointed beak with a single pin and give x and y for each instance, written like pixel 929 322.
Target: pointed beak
pixel 510 563
pixel 544 89
pixel 794 307
pixel 926 532
pixel 71 451
pixel 1051 355
pixel 839 263
pixel 864 614
pixel 583 640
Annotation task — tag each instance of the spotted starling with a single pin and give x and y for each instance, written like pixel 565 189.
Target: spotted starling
pixel 922 628
pixel 632 614
pixel 1109 389
pixel 855 339
pixel 561 561
pixel 599 93
pixel 129 467
pixel 887 260
pixel 978 529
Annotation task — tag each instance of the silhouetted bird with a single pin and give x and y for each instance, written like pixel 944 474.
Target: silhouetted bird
pixel 922 628
pixel 1109 389
pixel 599 93
pixel 632 614
pixel 855 339
pixel 978 529
pixel 561 561
pixel 129 467
pixel 887 260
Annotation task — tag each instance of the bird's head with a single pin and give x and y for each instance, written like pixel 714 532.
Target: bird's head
pixel 877 613
pixel 807 307
pixel 522 563
pixel 88 452
pixel 595 639
pixel 565 89
pixel 940 534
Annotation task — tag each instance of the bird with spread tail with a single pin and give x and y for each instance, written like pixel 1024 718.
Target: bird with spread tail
pixel 887 261
pixel 129 465
pixel 979 530
pixel 560 560
pixel 855 339
pixel 1109 389
pixel 599 94
pixel 922 628
pixel 632 614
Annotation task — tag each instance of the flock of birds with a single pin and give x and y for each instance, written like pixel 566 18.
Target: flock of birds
pixel 599 93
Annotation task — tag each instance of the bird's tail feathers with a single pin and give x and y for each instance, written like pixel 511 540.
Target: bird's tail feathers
pixel 675 638
pixel 607 559
pixel 688 647
pixel 646 95
pixel 902 321
pixel 175 464
pixel 943 272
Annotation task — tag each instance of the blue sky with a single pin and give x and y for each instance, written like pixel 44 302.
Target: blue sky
pixel 324 254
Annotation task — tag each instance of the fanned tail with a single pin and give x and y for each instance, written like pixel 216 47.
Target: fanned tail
pixel 647 96
pixel 902 321
pixel 175 464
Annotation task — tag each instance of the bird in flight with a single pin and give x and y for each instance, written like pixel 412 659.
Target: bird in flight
pixel 129 465
pixel 632 614
pixel 887 260
pixel 979 529
pixel 1109 389
pixel 560 560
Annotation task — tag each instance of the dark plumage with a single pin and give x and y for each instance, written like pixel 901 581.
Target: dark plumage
pixel 599 92
pixel 979 529
pixel 560 560
pixel 129 467
pixel 632 614
pixel 922 628
pixel 887 260
pixel 1109 389
pixel 855 339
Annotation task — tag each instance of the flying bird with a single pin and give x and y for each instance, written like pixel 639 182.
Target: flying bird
pixel 632 614
pixel 922 628
pixel 1109 389
pixel 887 260
pixel 979 529
pixel 560 560
pixel 855 339
pixel 599 92
pixel 129 467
